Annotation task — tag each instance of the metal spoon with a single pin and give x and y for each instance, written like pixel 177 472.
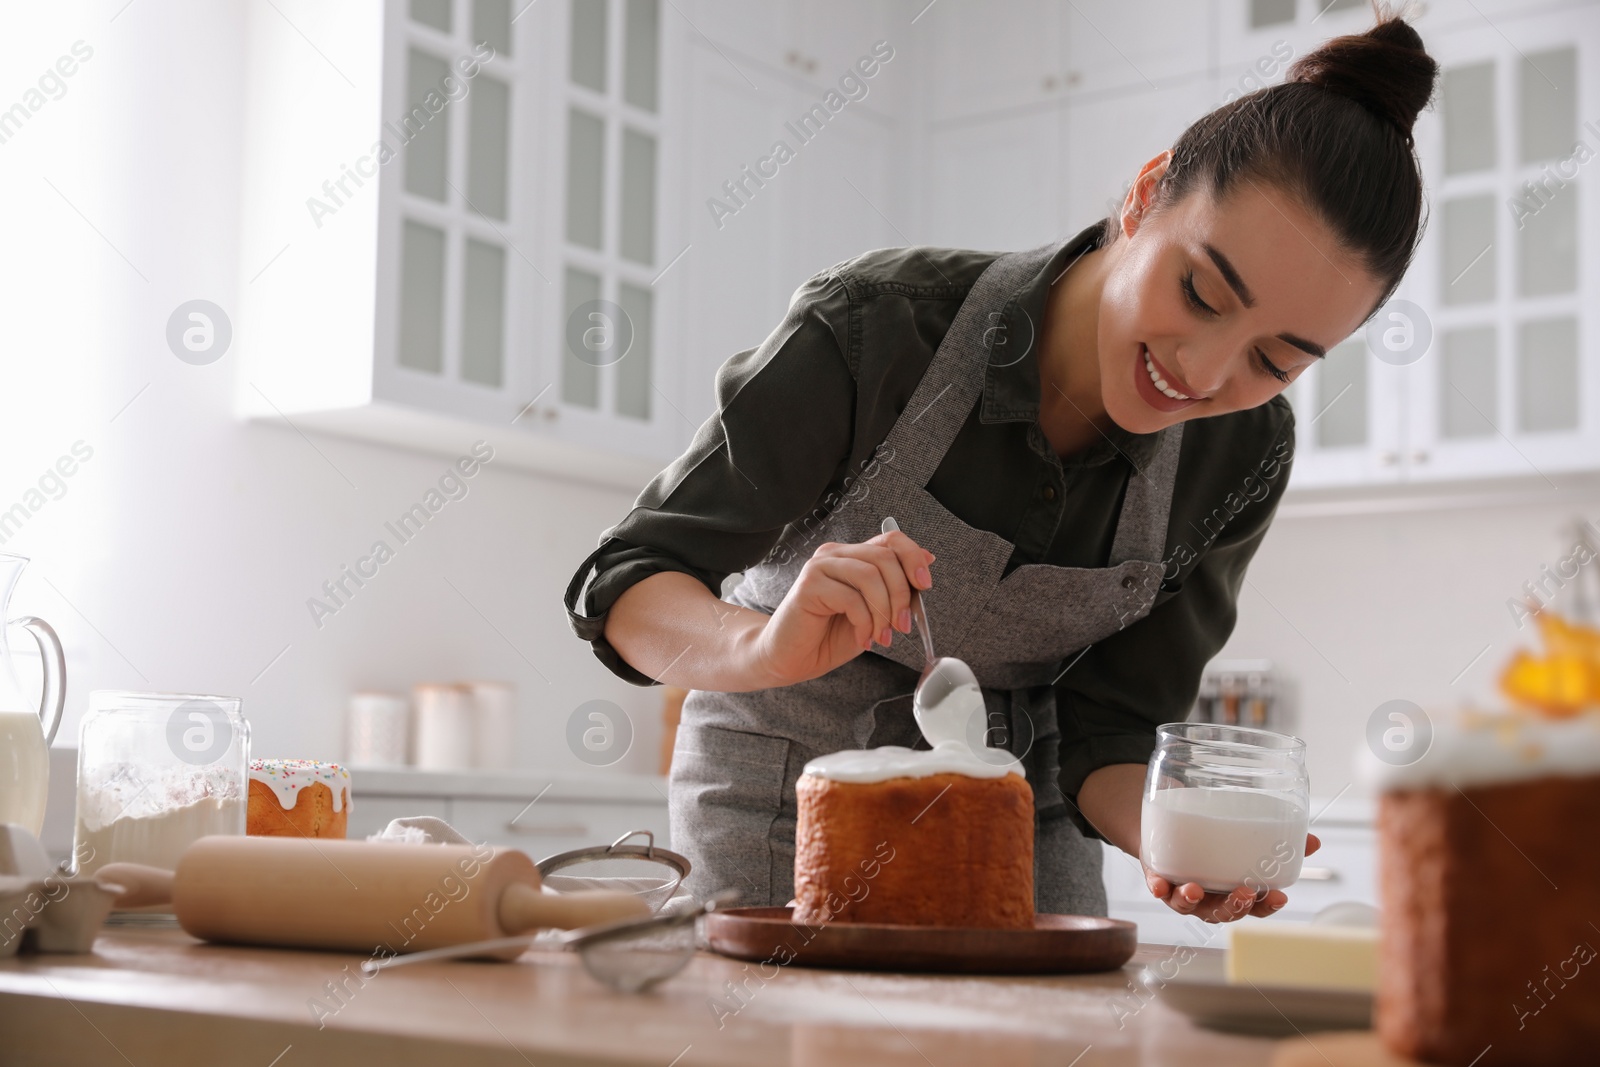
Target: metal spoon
pixel 941 675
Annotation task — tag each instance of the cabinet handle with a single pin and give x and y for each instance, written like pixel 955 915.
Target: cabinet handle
pixel 567 829
pixel 1318 874
pixel 1419 456
pixel 551 414
pixel 1389 459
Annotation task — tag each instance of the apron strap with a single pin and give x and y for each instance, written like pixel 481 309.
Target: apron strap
pixel 1142 525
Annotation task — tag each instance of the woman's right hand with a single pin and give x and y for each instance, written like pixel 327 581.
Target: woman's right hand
pixel 847 597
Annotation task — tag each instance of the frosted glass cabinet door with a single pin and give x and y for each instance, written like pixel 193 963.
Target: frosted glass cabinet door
pixel 1348 410
pixel 491 24
pixel 483 299
pixel 422 298
pixel 427 154
pixel 586 135
pixel 488 146
pixel 1509 387
pixel 605 347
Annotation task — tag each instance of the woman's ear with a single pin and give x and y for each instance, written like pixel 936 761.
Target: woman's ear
pixel 1141 194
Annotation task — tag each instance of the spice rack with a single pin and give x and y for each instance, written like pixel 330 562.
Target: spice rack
pixel 1239 692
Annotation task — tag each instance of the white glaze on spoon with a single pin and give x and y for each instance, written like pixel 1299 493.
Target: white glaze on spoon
pixel 950 714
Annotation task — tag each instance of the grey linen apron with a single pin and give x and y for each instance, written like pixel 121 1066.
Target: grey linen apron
pixel 732 787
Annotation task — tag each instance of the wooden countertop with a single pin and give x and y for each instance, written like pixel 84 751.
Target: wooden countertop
pixel 157 996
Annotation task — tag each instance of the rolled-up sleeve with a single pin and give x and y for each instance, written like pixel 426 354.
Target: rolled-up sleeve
pixel 1111 699
pixel 781 434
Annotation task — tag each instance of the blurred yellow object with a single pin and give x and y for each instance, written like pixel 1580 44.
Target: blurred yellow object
pixel 1558 685
pixel 1566 679
pixel 1568 638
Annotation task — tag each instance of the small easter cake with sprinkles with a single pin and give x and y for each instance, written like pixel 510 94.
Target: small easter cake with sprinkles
pixel 297 798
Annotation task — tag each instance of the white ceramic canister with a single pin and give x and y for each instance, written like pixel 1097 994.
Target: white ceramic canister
pixel 494 720
pixel 377 730
pixel 446 737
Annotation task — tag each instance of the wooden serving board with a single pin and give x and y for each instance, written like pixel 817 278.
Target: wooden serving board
pixel 1057 944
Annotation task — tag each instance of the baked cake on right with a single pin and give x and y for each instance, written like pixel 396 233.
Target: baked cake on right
pixel 1489 869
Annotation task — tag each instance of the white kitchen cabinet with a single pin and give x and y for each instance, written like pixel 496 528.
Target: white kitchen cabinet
pixel 995 182
pixel 1113 44
pixel 1109 137
pixel 1349 419
pixel 757 32
pixel 759 226
pixel 423 295
pixel 440 295
pixel 1508 385
pixel 1248 30
pixel 481 284
pixel 984 57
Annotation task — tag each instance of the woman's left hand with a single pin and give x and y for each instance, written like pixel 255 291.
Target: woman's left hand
pixel 1191 899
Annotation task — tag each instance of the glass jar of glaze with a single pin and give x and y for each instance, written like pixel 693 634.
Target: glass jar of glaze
pixel 1225 806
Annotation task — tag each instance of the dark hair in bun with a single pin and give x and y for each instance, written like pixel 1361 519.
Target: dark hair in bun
pixel 1337 134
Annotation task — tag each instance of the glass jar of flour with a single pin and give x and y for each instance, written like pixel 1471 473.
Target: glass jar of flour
pixel 157 771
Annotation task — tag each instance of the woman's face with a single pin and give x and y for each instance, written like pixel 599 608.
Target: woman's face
pixel 1226 301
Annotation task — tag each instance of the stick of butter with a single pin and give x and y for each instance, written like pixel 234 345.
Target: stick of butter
pixel 1303 955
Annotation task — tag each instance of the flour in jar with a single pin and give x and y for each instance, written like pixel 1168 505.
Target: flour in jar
pixel 156 839
pixel 1223 838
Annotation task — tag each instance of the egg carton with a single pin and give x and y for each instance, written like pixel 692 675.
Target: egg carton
pixel 41 907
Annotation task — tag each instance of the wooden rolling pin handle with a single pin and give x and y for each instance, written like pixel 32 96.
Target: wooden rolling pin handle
pixel 140 885
pixel 524 907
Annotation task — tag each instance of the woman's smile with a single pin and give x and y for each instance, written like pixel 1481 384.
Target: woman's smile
pixel 1157 386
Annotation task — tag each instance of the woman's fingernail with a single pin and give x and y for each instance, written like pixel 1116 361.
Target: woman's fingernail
pixel 924 579
pixel 904 620
pixel 887 636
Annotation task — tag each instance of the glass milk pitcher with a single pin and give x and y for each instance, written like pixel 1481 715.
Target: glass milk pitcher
pixel 26 729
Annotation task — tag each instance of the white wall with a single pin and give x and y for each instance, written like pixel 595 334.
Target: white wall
pixel 182 554
pixel 1363 609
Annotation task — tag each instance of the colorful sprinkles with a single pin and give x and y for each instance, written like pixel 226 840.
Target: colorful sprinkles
pixel 288 777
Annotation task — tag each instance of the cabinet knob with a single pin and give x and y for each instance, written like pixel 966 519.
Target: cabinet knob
pixel 551 414
pixel 1419 456
pixel 1388 459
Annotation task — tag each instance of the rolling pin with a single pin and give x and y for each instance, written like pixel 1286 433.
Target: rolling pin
pixel 359 895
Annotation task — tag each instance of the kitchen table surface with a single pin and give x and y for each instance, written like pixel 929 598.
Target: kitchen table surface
pixel 158 996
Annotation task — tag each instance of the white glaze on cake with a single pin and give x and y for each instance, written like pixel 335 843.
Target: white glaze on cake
pixel 1479 748
pixel 893 761
pixel 288 778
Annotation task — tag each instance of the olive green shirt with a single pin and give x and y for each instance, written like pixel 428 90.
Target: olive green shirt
pixel 803 412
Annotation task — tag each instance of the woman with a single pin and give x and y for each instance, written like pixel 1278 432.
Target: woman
pixel 1083 445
